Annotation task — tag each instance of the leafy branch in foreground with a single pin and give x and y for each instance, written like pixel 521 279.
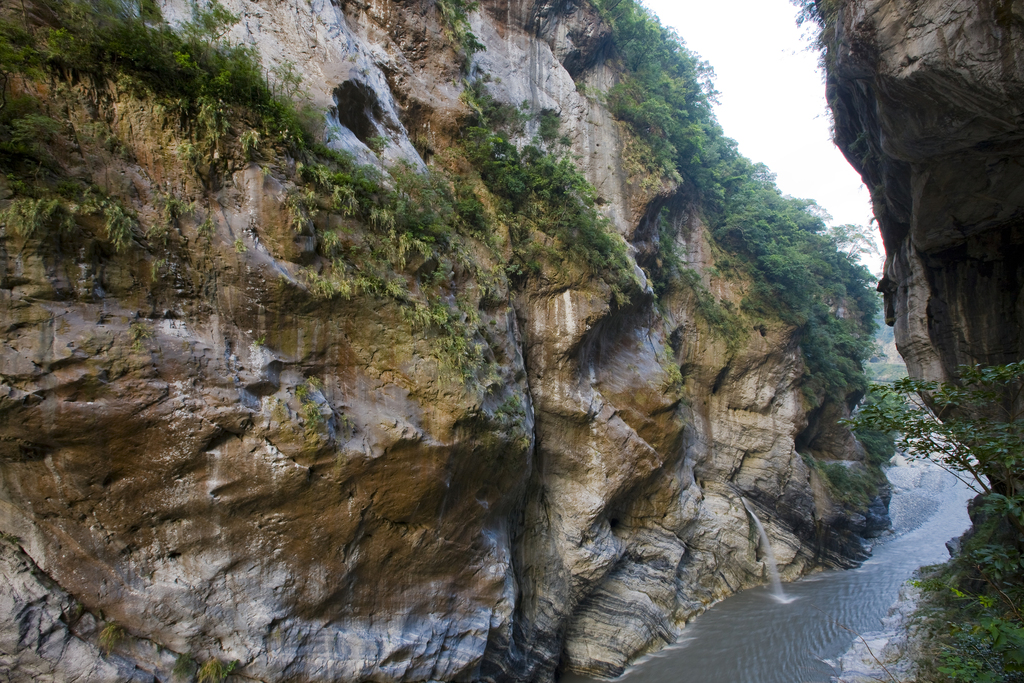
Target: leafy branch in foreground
pixel 974 429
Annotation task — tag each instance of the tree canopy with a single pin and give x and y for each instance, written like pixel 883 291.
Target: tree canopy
pixel 803 271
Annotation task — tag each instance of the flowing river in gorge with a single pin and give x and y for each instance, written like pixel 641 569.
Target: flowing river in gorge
pixel 753 638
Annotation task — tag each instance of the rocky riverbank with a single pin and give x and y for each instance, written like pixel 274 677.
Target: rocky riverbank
pixel 890 653
pixel 920 492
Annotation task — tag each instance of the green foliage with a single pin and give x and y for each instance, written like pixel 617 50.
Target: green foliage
pixel 418 216
pixel 547 193
pixel 853 240
pixel 821 16
pixel 453 329
pixel 492 114
pixel 10 538
pixel 801 276
pixel 802 272
pixel 975 641
pixel 194 70
pixel 206 228
pixel 110 637
pixel 377 144
pixel 991 652
pixel 33 131
pixel 138 333
pixel 17 56
pixel 172 210
pixel 214 671
pixel 120 225
pixel 670 273
pixel 849 483
pixel 674 383
pixel 455 18
pixel 184 667
pixel 1001 563
pixel 511 417
pixel 718 316
pixel 511 411
pixel 175 209
pixel 550 126
pixel 666 94
pixel 417 222
pixel 37 217
pixel 288 81
pixel 115 41
pixel 250 141
pixel 25 134
pixel 314 419
pixel 310 395
pixel 973 428
pixel 880 445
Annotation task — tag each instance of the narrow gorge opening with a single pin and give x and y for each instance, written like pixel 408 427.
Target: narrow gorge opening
pixel 464 342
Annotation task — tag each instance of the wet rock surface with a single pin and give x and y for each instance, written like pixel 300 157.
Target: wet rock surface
pixel 887 652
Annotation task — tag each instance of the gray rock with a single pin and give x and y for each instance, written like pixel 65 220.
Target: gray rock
pixel 927 101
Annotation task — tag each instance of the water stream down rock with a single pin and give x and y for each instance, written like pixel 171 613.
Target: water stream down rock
pixel 769 555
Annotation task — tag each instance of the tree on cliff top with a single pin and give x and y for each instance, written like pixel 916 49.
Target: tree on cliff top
pixel 803 273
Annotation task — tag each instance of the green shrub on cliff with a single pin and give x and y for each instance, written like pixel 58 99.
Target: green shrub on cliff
pixel 455 19
pixel 110 637
pixel 543 192
pixel 18 55
pixel 666 93
pixel 194 69
pixel 801 276
pixel 415 225
pixel 215 671
pixel 821 15
pixel 31 217
pixel 850 482
pixel 548 193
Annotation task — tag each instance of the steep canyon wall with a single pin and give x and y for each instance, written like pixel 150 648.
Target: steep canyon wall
pixel 199 458
pixel 927 100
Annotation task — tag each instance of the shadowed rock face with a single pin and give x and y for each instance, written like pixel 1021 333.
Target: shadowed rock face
pixel 927 99
pixel 195 448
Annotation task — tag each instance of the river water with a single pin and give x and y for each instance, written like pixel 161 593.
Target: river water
pixel 753 638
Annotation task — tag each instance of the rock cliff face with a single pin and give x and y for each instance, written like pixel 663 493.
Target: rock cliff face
pixel 927 98
pixel 199 459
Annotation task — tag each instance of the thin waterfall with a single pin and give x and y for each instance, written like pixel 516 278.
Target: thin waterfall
pixel 773 568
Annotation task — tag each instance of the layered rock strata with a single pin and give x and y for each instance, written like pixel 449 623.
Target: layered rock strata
pixel 927 101
pixel 196 451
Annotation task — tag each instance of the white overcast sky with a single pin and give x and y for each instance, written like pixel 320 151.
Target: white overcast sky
pixel 772 96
